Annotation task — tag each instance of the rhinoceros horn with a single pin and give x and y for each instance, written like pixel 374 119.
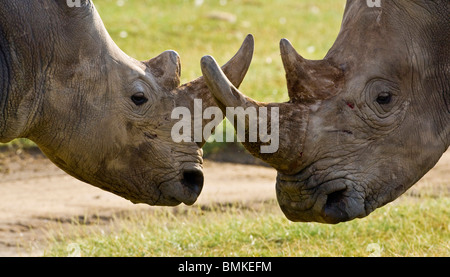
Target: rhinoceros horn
pixel 227 95
pixel 235 70
pixel 308 80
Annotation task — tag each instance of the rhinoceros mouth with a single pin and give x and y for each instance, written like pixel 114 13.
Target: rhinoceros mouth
pixel 332 202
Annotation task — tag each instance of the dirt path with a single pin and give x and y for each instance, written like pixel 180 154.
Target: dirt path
pixel 35 193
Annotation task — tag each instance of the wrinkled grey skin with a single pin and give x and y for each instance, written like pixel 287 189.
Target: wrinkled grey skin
pixel 97 113
pixel 367 122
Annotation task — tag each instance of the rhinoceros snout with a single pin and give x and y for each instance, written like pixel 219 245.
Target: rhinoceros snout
pixel 193 180
pixel 185 189
pixel 329 202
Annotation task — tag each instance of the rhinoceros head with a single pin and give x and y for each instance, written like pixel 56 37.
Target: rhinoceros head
pixel 97 113
pixel 366 122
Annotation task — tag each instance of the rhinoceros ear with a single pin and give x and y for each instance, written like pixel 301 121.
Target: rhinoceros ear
pixel 166 68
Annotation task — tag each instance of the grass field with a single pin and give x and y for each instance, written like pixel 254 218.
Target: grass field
pixel 145 28
pixel 409 227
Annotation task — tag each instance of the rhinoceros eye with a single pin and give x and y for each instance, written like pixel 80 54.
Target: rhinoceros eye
pixel 384 98
pixel 139 99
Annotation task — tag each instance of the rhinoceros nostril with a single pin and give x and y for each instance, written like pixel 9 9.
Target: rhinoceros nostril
pixel 336 207
pixel 193 179
pixel 336 197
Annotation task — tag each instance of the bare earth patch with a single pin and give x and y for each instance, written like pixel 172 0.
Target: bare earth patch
pixel 35 195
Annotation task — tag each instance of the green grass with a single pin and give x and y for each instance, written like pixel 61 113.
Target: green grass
pixel 408 227
pixel 18 144
pixel 153 26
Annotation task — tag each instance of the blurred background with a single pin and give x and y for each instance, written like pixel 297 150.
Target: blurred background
pixel 194 28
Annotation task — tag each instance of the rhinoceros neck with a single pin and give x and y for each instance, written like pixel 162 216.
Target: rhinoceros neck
pixel 52 48
pixel 5 61
pixel 14 63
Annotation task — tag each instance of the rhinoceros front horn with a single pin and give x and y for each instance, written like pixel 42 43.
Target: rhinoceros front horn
pixel 290 121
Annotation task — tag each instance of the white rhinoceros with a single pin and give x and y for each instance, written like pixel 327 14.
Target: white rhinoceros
pixel 97 113
pixel 365 123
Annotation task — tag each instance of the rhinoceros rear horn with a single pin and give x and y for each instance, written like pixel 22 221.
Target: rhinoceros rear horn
pixel 309 80
pixel 166 68
pixel 235 70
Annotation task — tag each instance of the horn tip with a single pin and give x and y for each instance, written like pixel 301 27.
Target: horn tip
pixel 250 38
pixel 285 42
pixel 210 68
pixel 249 44
pixel 286 46
pixel 207 61
pixel 288 52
